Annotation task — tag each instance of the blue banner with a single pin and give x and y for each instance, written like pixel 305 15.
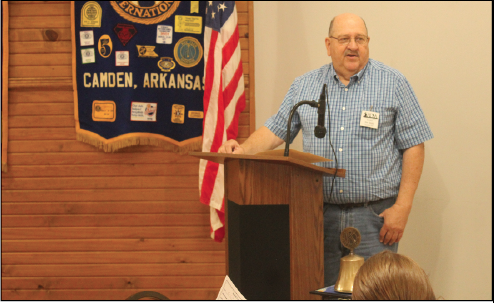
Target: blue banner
pixel 138 70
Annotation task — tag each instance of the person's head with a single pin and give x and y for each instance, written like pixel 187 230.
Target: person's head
pixel 348 58
pixel 391 276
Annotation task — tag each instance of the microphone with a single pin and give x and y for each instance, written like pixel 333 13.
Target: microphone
pixel 320 130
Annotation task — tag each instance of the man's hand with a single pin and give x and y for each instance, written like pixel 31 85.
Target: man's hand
pixel 395 219
pixel 261 140
pixel 231 147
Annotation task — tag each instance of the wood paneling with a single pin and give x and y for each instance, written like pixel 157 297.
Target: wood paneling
pixel 129 207
pixel 29 283
pixel 120 232
pixel 109 294
pixel 81 224
pixel 98 245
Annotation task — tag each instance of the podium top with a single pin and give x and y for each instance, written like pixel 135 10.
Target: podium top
pixel 220 158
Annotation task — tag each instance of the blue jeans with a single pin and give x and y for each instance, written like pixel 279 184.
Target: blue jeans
pixel 366 219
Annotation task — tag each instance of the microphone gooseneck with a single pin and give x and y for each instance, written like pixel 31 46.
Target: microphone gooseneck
pixel 320 130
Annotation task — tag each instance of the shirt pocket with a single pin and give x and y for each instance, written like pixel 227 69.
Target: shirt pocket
pixel 367 133
pixel 386 123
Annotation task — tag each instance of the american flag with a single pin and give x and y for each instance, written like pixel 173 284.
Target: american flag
pixel 223 101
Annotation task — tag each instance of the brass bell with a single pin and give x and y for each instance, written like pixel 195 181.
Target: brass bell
pixel 349 264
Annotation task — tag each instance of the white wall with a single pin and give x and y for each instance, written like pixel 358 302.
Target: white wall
pixel 444 50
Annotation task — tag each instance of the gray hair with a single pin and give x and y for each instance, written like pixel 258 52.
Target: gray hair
pixel 332 23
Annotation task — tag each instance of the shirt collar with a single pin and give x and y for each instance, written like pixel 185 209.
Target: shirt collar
pixel 358 76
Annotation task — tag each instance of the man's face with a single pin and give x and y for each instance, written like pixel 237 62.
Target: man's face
pixel 348 58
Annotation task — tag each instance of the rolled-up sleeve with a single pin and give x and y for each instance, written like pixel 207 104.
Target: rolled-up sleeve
pixel 278 123
pixel 411 127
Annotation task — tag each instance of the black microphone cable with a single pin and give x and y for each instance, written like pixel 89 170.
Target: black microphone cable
pixel 330 143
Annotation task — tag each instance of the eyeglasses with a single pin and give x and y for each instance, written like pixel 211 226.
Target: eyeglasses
pixel 346 40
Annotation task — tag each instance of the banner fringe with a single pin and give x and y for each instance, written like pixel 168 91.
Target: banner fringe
pixel 115 146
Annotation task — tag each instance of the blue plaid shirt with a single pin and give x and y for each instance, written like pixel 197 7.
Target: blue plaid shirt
pixel 372 157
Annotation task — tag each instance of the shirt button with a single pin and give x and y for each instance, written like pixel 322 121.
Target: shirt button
pixel 340 149
pixel 342 128
pixel 345 89
pixel 344 108
pixel 340 191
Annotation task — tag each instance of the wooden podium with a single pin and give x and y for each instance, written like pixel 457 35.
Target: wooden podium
pixel 274 225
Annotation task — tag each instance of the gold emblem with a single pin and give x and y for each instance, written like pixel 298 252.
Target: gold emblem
pixel 91 14
pixel 166 64
pixel 146 51
pixel 139 12
pixel 105 46
pixel 195 114
pixel 188 52
pixel 103 111
pixel 177 113
pixel 194 6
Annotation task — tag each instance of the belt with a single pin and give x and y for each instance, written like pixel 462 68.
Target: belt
pixel 353 205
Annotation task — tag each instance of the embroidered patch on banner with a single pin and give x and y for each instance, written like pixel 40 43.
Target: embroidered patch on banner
pixel 141 111
pixel 146 51
pixel 91 14
pixel 166 64
pixel 121 58
pixel 88 55
pixel 195 115
pixel 86 38
pixel 188 52
pixel 125 32
pixel 105 46
pixel 164 34
pixel 103 111
pixel 188 24
pixel 145 12
pixel 178 113
pixel 195 6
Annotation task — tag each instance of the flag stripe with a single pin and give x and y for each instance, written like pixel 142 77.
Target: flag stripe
pixel 228 49
pixel 209 68
pixel 231 88
pixel 232 130
pixel 219 129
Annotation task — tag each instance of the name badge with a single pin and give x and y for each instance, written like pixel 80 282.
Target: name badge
pixel 86 38
pixel 164 34
pixel 369 119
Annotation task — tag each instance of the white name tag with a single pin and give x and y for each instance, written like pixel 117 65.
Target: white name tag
pixel 369 119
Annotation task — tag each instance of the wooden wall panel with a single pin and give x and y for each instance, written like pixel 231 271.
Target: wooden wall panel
pixel 81 224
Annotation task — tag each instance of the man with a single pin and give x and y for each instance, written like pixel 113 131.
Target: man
pixel 377 129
